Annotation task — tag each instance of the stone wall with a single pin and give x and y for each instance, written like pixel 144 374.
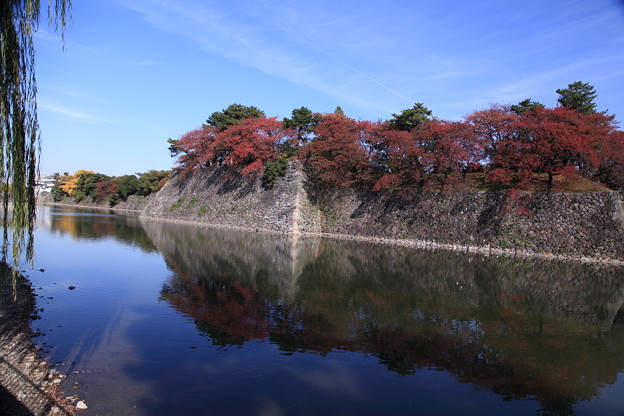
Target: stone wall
pixel 560 224
pixel 578 225
pixel 219 197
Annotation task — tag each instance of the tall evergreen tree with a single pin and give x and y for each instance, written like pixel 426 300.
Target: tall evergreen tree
pixel 303 121
pixel 339 111
pixel 411 118
pixel 578 96
pixel 526 105
pixel 233 115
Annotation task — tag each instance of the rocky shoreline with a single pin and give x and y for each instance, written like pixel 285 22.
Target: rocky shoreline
pixel 28 385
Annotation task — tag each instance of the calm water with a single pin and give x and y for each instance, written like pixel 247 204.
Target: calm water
pixel 168 319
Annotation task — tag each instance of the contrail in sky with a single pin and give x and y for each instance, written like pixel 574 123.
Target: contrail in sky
pixel 346 65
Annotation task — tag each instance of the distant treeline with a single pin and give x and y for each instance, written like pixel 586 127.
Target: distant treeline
pixel 85 185
pixel 511 146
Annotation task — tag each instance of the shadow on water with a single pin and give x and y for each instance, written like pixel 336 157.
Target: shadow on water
pixel 520 328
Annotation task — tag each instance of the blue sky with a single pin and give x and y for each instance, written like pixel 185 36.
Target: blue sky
pixel 136 72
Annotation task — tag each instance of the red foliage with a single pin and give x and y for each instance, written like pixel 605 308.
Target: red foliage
pixel 495 125
pixel 341 153
pixel 252 142
pixel 611 170
pixel 449 146
pixel 246 146
pixel 511 148
pixel 104 190
pixel 199 148
pixel 556 141
pixel 162 182
pixel 552 141
pixel 397 155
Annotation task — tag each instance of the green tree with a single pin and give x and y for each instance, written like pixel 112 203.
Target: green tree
pixel 86 185
pixel 19 128
pixel 232 115
pixel 411 118
pixel 339 111
pixel 57 193
pixel 578 96
pixel 126 185
pixel 150 182
pixel 303 121
pixel 526 105
pixel 173 148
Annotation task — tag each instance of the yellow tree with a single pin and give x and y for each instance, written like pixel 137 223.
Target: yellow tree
pixel 70 185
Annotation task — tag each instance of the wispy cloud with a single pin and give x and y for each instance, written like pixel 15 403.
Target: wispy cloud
pixel 382 60
pixel 73 114
pixel 346 65
pixel 272 48
pixel 68 47
pixel 69 92
pixel 590 67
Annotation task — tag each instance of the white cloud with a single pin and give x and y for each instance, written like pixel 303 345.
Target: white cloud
pixel 257 41
pixel 73 114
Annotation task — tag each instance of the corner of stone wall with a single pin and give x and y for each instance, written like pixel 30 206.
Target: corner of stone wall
pixel 617 211
pixel 306 215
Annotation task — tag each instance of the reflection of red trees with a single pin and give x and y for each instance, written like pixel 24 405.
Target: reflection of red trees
pixel 232 311
pixel 235 313
pixel 550 362
pixel 103 228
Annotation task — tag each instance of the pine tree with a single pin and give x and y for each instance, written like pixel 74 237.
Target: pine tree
pixel 578 96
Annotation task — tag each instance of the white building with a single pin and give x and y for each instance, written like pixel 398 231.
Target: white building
pixel 44 184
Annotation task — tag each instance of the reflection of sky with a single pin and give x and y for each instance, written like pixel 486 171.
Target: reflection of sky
pixel 610 402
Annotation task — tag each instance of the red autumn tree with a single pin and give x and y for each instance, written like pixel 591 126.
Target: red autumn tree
pixel 563 140
pixel 611 170
pixel 250 143
pixel 104 190
pixel 493 126
pixel 397 158
pixel 340 153
pixel 199 148
pixel 448 146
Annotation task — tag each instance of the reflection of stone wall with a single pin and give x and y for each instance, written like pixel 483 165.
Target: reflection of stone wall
pixel 563 225
pixel 461 284
pixel 527 329
pixel 230 255
pixel 302 268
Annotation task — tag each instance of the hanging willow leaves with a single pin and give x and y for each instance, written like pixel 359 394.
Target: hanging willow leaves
pixel 19 129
